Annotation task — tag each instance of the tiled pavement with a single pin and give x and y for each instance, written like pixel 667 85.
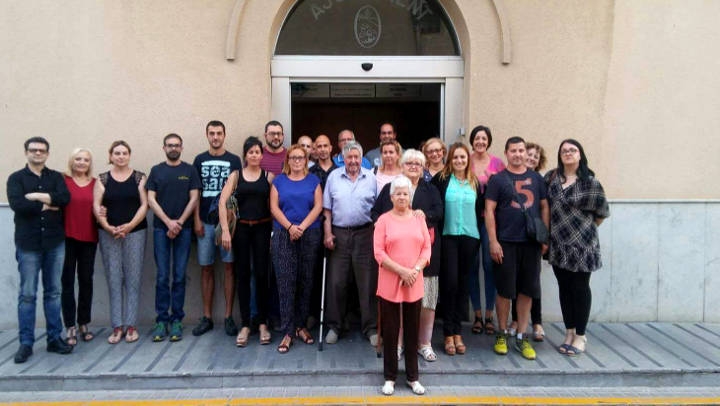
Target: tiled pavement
pixel 631 357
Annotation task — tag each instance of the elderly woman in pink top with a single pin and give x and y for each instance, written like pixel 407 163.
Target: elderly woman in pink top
pixel 402 249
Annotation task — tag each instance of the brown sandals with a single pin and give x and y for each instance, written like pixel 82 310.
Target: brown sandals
pixel 304 335
pixel 242 337
pixel 285 344
pixel 449 345
pixel 459 345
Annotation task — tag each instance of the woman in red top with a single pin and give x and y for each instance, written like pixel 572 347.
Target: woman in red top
pixel 402 249
pixel 80 246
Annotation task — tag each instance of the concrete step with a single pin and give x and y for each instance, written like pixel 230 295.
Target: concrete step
pixel 618 355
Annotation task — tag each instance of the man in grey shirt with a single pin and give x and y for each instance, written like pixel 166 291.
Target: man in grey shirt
pixel 387 133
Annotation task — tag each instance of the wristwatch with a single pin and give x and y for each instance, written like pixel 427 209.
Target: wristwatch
pixel 417 268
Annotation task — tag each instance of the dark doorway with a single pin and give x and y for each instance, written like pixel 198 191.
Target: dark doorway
pixel 328 108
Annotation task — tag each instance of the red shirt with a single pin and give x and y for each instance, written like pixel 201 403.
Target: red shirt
pixel 79 220
pixel 273 161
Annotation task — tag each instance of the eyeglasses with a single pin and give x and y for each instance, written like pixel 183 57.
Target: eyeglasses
pixel 296 158
pixel 306 145
pixel 173 146
pixel 37 150
pixel 274 133
pixel 413 164
pixel 433 151
pixel 569 151
pixel 386 132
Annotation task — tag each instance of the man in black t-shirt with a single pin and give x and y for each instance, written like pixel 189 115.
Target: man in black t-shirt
pixel 516 259
pixel 214 166
pixel 173 189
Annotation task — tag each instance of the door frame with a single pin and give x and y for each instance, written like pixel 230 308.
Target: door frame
pixel 446 70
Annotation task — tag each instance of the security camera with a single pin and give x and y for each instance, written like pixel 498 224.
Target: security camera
pixel 367 66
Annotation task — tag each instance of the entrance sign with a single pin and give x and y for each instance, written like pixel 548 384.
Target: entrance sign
pixel 367 27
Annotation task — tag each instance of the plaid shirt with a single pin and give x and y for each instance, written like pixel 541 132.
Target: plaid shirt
pixel 574 243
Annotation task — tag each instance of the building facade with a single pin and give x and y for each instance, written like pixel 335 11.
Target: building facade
pixel 634 81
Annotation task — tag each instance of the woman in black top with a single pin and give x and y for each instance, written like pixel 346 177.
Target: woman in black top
pixel 426 202
pixel 250 238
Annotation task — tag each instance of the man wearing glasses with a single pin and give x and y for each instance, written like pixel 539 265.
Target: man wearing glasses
pixel 173 189
pixel 37 195
pixel 274 153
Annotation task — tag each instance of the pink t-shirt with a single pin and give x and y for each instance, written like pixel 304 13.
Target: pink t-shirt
pixel 404 241
pixel 494 166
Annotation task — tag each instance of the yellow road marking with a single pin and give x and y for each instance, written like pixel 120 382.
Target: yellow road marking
pixel 380 400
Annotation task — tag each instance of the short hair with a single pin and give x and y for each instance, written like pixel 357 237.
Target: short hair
pixel 583 172
pixel 352 145
pixel 513 140
pixel 413 155
pixel 286 164
pixel 390 123
pixel 401 181
pixel 344 130
pixel 172 135
pixel 250 142
pixel 478 129
pixel 396 145
pixel 430 141
pixel 75 153
pixel 541 152
pixel 273 122
pixel 37 140
pixel 116 144
pixel 214 123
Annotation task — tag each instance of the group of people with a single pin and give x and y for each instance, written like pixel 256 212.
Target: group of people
pixel 408 230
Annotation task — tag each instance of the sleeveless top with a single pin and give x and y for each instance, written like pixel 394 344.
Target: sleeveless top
pixel 79 220
pixel 122 199
pixel 253 197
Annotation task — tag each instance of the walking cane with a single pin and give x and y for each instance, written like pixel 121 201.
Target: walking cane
pixel 322 302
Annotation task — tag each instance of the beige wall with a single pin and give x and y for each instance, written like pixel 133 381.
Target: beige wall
pixel 635 81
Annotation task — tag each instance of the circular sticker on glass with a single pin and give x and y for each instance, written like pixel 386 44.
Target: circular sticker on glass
pixel 367 27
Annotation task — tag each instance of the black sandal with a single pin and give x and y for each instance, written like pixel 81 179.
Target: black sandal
pixel 85 333
pixel 489 326
pixel 477 327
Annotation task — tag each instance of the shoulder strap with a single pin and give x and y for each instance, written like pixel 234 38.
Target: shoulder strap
pixel 103 177
pixel 137 175
pixel 375 170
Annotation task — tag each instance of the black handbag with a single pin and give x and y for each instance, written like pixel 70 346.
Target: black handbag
pixel 534 226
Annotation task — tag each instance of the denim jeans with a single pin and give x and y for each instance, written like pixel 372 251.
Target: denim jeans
pixel 30 263
pixel 167 298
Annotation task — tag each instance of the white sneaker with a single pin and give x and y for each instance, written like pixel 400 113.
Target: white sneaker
pixel 373 339
pixel 416 387
pixel 331 337
pixel 388 388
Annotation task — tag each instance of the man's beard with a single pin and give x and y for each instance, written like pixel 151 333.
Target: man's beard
pixel 172 155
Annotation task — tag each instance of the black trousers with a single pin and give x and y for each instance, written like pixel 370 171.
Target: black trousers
pixel 80 258
pixel 251 249
pixel 458 254
pixel 390 319
pixel 575 298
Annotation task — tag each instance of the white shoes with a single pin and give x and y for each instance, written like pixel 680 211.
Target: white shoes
pixel 416 387
pixel 389 388
pixel 331 337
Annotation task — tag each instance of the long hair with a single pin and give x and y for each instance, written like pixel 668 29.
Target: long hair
pixel 286 165
pixel 583 172
pixel 448 169
pixel 115 144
